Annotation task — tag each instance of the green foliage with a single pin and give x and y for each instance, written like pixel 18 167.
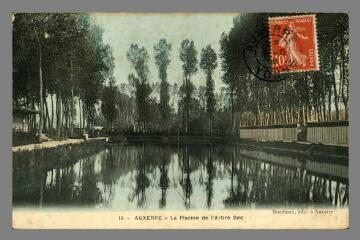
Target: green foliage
pixel 139 58
pixel 300 97
pixel 108 104
pixel 162 59
pixel 208 63
pixel 188 55
pixel 208 60
pixel 75 62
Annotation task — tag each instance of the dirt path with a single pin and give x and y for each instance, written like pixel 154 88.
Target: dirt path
pixel 52 144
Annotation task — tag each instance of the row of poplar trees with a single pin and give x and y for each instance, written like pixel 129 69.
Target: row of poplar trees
pixel 142 89
pixel 301 97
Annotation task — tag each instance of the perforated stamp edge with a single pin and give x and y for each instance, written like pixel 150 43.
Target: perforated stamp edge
pixel 314 25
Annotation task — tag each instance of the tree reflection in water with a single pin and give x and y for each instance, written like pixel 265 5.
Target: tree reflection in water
pixel 164 179
pixel 141 179
pixel 90 193
pixel 266 184
pixel 108 176
pixel 185 181
pixel 210 177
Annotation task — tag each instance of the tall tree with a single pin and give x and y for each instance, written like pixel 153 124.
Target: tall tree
pixel 41 85
pixel 229 71
pixel 97 67
pixel 139 58
pixel 108 104
pixel 162 59
pixel 208 63
pixel 28 49
pixel 188 55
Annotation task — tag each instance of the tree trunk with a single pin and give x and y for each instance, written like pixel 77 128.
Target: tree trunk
pixel 72 100
pixel 58 114
pixel 329 104
pixel 316 112
pixel 324 110
pixel 72 110
pixel 232 109
pixel 333 81
pixel 44 114
pixel 47 114
pixel 188 109
pixel 64 119
pixel 346 111
pixel 79 101
pixel 33 119
pixel 83 116
pixel 40 95
pixel 52 112
pixel 345 79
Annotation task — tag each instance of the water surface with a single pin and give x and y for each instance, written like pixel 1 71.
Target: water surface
pixel 157 177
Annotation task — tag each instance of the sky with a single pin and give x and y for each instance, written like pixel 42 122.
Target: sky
pixel 146 29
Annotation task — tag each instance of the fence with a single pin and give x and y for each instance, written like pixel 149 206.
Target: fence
pixel 328 132
pixel 271 133
pixel 336 132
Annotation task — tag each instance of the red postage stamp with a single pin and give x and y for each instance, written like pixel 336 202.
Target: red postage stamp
pixel 293 43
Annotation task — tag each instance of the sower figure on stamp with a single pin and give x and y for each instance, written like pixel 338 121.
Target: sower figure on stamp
pixel 288 41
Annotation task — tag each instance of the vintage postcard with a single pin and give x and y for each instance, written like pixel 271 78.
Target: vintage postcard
pixel 180 120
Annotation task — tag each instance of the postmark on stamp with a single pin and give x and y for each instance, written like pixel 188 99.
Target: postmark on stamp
pixel 257 60
pixel 293 43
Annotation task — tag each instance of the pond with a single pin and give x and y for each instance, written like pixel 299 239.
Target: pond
pixel 153 177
